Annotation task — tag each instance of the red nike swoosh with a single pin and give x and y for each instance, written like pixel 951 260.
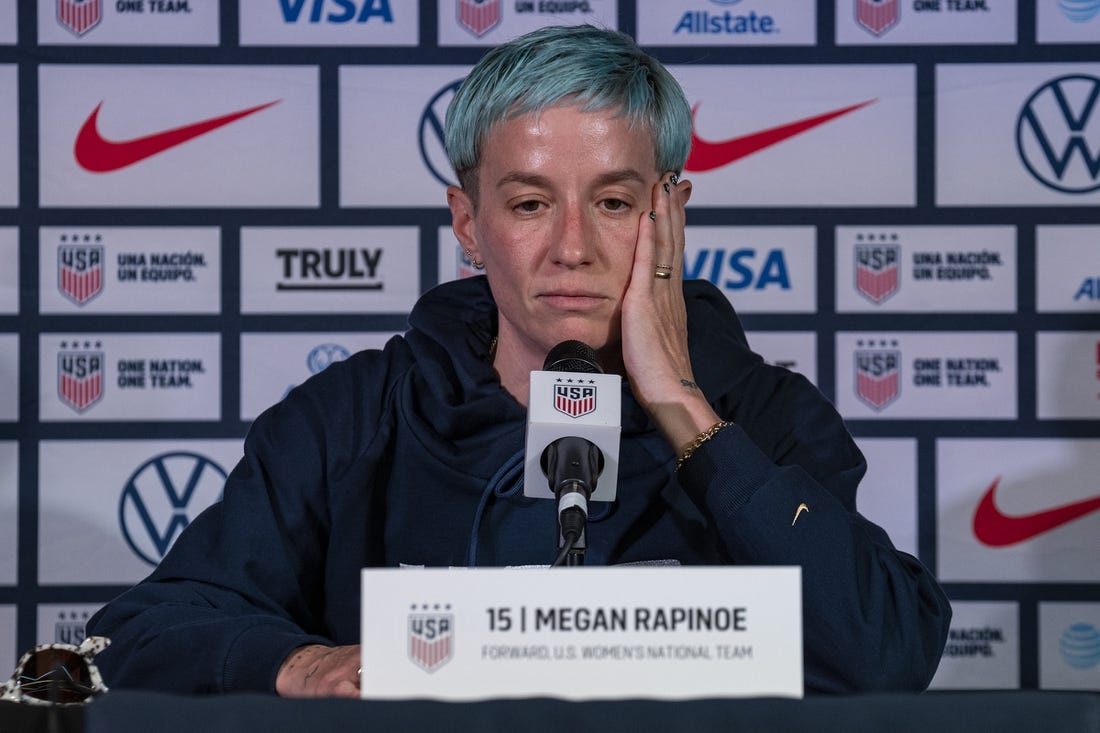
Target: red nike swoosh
pixel 995 529
pixel 707 156
pixel 97 154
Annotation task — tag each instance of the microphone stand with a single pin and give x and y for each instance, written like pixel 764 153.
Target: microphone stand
pixel 575 463
pixel 572 526
pixel 572 465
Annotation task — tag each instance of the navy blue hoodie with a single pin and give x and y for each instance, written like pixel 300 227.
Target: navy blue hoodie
pixel 410 456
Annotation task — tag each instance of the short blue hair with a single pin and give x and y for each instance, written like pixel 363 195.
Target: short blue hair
pixel 595 68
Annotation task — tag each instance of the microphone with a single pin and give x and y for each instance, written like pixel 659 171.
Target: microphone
pixel 573 431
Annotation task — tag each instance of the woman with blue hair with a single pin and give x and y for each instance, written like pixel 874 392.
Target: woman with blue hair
pixel 568 144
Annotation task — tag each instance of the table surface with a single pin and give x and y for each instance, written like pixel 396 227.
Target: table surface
pixel 123 711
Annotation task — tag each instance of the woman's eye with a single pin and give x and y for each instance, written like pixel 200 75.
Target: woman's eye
pixel 528 207
pixel 615 204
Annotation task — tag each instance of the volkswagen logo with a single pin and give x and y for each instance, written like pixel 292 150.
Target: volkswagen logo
pixel 1054 137
pixel 433 150
pixel 161 498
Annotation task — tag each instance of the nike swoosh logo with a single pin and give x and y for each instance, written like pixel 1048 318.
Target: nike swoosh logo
pixel 996 529
pixel 707 156
pixel 97 154
pixel 801 508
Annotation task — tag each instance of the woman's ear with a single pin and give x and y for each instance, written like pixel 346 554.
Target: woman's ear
pixel 462 220
pixel 684 187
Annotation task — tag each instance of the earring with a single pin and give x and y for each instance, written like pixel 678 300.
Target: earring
pixel 478 264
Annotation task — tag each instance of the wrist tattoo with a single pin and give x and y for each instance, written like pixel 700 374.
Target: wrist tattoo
pixel 688 383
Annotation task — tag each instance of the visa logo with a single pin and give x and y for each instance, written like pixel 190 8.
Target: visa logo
pixel 740 269
pixel 339 11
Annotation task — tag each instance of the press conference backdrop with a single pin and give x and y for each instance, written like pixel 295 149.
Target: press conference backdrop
pixel 926 249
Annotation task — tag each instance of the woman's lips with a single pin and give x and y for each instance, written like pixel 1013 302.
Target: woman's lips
pixel 572 300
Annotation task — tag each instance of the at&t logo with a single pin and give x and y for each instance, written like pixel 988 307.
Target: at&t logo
pixel 162 496
pixel 1080 646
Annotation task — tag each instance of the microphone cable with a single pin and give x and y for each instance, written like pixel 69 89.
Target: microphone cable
pixel 573 520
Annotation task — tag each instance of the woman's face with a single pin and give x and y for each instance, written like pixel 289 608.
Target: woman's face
pixel 560 196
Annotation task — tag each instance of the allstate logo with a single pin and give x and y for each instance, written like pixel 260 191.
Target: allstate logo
pixel 433 149
pixel 1080 11
pixel 1054 137
pixel 161 496
pixel 322 355
pixel 1080 646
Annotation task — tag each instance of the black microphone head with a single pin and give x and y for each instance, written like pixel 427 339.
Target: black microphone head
pixel 572 356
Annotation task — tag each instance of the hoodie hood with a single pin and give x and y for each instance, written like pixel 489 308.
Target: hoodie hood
pixel 453 394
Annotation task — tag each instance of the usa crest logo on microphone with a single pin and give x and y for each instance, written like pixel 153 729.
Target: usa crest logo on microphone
pixel 431 635
pixel 573 397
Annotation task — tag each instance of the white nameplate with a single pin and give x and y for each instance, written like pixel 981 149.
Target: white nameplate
pixel 581 633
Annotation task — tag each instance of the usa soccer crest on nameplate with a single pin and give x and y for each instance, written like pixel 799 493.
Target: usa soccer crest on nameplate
pixel 431 635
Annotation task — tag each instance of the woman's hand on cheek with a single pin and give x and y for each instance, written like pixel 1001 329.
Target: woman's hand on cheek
pixel 654 320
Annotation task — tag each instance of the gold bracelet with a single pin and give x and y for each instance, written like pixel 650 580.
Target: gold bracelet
pixel 701 438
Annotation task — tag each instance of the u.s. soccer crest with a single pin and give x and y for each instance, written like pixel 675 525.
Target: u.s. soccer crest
pixel 877 16
pixel 69 628
pixel 431 638
pixel 80 375
pixel 79 16
pixel 479 16
pixel 80 271
pixel 575 400
pixel 878 375
pixel 877 270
